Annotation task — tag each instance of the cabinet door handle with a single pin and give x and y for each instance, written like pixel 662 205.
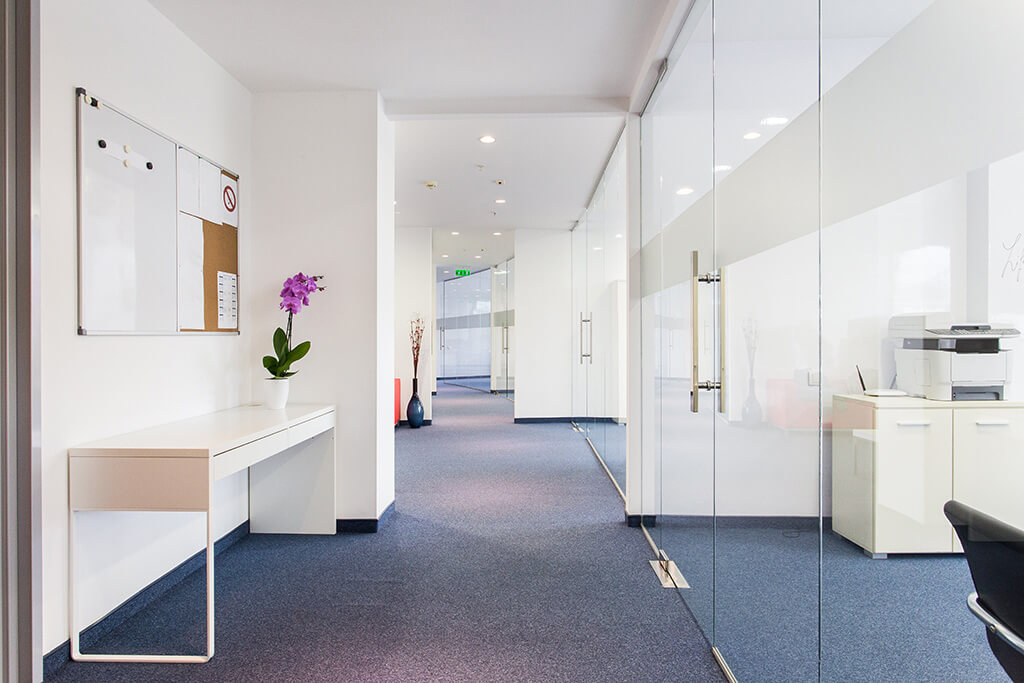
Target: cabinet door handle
pixel 913 423
pixel 993 423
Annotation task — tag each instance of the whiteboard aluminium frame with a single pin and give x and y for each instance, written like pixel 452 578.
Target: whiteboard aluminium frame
pixel 80 95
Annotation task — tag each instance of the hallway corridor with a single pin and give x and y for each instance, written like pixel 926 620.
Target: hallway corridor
pixel 507 559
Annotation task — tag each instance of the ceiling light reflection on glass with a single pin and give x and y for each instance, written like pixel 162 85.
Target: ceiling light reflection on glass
pixel 752 135
pixel 499 201
pixel 684 191
pixel 455 233
pixel 722 167
pixel 774 121
pixel 496 234
pixel 487 139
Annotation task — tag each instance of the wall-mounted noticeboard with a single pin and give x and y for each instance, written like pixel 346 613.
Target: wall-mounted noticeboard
pixel 157 231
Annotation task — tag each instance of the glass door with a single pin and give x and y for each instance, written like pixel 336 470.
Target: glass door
pixel 677 336
pixel 766 437
pixel 466 326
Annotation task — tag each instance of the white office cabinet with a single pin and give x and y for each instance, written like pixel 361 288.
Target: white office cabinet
pixel 989 473
pixel 897 460
pixel 913 478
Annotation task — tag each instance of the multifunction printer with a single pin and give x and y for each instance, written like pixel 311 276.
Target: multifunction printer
pixel 943 361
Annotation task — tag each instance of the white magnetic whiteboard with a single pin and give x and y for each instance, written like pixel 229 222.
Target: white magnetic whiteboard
pixel 157 224
pixel 127 225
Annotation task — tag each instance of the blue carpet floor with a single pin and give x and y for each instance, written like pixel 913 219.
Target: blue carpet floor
pixel 506 560
pixel 900 619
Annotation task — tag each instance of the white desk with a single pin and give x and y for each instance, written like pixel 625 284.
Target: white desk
pixel 173 467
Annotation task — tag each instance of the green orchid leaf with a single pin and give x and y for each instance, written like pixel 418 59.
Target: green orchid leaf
pixel 269 362
pixel 280 343
pixel 288 374
pixel 298 352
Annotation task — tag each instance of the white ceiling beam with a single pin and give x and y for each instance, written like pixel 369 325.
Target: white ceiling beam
pixel 468 107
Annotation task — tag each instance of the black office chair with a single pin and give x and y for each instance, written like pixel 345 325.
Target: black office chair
pixel 995 554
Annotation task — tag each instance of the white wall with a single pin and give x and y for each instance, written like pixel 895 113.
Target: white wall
pixel 544 324
pixel 325 163
pixel 414 298
pixel 93 387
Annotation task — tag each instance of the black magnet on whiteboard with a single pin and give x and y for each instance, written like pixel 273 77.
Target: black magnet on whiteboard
pixel 103 144
pixel 149 165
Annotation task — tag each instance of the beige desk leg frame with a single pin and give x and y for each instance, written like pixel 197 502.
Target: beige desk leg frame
pixel 76 653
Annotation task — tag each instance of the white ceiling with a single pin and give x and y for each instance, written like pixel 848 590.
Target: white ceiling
pixel 549 165
pixel 460 251
pixel 429 50
pixel 550 79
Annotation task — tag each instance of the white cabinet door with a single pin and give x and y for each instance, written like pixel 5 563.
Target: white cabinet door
pixel 913 480
pixel 988 470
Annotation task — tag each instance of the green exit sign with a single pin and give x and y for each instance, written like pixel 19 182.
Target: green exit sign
pixel 461 273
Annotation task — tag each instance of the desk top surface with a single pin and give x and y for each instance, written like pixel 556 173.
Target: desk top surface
pixel 924 403
pixel 204 435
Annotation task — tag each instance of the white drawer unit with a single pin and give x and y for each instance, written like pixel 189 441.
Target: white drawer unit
pixel 897 460
pixel 290 457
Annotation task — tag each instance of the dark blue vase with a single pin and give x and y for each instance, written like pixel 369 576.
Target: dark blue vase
pixel 414 413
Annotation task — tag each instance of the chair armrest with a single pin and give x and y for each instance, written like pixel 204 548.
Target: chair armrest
pixel 994 625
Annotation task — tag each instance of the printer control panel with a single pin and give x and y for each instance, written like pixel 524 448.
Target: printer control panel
pixel 974 331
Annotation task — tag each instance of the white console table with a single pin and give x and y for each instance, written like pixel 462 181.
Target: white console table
pixel 897 460
pixel 290 457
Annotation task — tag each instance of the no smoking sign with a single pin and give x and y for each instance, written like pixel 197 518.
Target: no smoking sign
pixel 229 199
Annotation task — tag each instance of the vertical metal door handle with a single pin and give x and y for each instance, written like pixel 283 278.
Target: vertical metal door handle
pixel 590 326
pixel 581 337
pixel 695 341
pixel 721 339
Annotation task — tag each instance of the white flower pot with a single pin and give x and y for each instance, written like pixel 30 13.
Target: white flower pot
pixel 275 393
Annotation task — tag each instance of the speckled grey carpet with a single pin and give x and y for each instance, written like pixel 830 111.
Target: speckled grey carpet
pixel 507 560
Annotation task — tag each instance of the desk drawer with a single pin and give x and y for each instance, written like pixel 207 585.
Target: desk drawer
pixel 139 483
pixel 238 459
pixel 310 428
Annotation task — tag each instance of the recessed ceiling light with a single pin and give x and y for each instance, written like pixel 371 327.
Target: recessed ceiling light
pixel 499 201
pixel 597 248
pixel 455 232
pixel 619 236
pixel 444 255
pixel 722 167
pixel 477 256
pixel 684 190
pixel 487 139
pixel 496 234
pixel 752 135
pixel 774 121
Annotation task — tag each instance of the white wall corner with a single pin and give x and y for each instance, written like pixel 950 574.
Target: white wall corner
pixel 385 479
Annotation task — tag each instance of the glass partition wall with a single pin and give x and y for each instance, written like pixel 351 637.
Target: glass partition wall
pixel 599 307
pixel 831 203
pixel 503 326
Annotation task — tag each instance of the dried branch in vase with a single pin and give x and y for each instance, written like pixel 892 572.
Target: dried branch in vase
pixel 416 337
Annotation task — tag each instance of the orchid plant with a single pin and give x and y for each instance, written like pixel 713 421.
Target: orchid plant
pixel 294 296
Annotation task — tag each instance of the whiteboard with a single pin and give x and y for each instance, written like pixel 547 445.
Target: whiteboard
pixel 127 225
pixel 147 207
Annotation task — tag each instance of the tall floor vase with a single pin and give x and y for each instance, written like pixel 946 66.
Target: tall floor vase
pixel 414 412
